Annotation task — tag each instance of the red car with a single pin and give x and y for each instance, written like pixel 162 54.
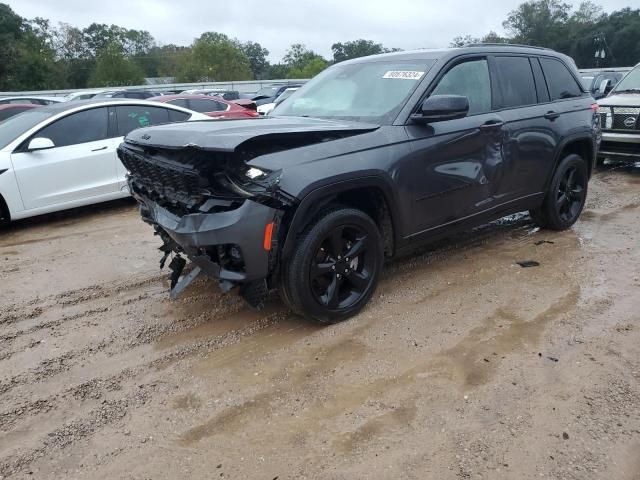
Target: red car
pixel 11 109
pixel 212 106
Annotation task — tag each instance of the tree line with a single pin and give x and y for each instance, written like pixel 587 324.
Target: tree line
pixel 37 55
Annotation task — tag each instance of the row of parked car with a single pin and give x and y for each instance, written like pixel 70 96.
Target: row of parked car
pixel 225 103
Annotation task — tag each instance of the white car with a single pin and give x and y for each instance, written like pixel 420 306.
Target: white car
pixel 33 100
pixel 265 108
pixel 64 155
pixel 81 95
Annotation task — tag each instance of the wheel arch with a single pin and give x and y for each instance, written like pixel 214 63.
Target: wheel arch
pixel 373 195
pixel 580 144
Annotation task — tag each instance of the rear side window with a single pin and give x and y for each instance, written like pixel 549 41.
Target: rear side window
pixel 180 102
pixel 204 105
pixel 176 116
pixel 81 127
pixel 131 117
pixel 469 79
pixel 559 80
pixel 517 87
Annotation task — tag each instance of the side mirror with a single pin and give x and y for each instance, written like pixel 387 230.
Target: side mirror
pixel 40 143
pixel 604 86
pixel 442 107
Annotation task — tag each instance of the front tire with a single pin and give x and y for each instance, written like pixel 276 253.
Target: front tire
pixel 335 267
pixel 566 196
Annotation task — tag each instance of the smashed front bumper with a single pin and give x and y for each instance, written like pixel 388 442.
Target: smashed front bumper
pixel 229 245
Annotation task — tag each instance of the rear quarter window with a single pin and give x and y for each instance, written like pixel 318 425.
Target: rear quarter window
pixel 560 81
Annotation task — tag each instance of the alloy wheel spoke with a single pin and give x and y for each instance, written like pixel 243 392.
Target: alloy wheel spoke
pixel 359 280
pixel 319 269
pixel 562 201
pixel 331 297
pixel 336 242
pixel 571 179
pixel 360 246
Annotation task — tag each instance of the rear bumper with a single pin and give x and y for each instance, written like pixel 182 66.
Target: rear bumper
pixel 621 146
pixel 200 234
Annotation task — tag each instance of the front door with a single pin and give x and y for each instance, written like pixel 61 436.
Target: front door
pixel 458 164
pixel 82 163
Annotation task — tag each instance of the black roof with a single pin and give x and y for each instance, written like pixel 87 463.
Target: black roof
pixel 445 53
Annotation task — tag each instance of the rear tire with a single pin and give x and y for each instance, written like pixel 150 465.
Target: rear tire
pixel 566 196
pixel 335 267
pixel 5 216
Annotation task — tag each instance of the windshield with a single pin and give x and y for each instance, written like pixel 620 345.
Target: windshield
pixel 360 91
pixel 587 81
pixel 267 92
pixel 15 126
pixel 286 94
pixel 630 82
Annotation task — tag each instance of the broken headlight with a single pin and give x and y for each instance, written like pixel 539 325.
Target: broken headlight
pixel 255 173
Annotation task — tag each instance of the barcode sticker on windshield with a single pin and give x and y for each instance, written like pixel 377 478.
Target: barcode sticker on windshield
pixel 403 74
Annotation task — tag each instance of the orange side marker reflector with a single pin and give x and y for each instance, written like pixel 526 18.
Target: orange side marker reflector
pixel 268 232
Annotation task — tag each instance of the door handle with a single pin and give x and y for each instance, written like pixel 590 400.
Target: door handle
pixel 492 125
pixel 551 115
pixel 99 148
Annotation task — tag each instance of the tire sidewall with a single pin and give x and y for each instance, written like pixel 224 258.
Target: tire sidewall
pixel 553 215
pixel 299 268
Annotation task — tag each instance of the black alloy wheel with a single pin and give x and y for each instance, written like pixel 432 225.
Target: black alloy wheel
pixel 566 195
pixel 571 194
pixel 340 271
pixel 335 266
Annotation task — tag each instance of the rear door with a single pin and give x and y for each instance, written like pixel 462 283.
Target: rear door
pixel 82 163
pixel 530 137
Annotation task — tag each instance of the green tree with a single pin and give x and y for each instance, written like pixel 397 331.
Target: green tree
pixel 11 34
pixel 215 57
pixel 356 48
pixel 257 56
pixel 277 71
pixel 311 69
pixel 462 40
pixel 113 69
pixel 298 55
pixel 540 22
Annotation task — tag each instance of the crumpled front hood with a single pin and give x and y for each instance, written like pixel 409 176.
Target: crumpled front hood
pixel 227 135
pixel 621 100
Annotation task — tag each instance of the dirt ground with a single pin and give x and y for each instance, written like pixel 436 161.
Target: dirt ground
pixel 464 365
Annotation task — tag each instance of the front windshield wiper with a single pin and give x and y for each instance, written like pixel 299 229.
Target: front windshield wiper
pixel 628 90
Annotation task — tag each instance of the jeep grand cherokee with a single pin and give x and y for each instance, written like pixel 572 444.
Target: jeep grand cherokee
pixel 368 160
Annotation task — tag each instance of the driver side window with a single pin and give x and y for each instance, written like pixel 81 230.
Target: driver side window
pixel 469 79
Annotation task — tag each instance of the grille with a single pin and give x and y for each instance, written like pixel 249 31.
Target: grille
pixel 184 186
pixel 620 118
pixel 180 185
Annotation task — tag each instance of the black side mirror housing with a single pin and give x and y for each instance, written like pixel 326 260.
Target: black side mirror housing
pixel 438 108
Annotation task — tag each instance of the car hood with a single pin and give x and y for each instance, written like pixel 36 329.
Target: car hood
pixel 623 99
pixel 228 135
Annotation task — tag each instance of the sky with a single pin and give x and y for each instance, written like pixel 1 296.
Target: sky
pixel 276 24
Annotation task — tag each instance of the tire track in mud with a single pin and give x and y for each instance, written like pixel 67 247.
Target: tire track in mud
pixel 98 388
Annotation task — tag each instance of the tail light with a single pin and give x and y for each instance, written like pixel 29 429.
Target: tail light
pixel 594 107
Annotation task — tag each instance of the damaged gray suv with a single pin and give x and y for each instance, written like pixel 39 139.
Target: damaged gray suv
pixel 370 159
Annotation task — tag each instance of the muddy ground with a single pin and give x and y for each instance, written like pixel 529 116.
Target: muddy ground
pixel 464 365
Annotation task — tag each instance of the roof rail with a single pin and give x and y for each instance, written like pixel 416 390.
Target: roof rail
pixel 505 45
